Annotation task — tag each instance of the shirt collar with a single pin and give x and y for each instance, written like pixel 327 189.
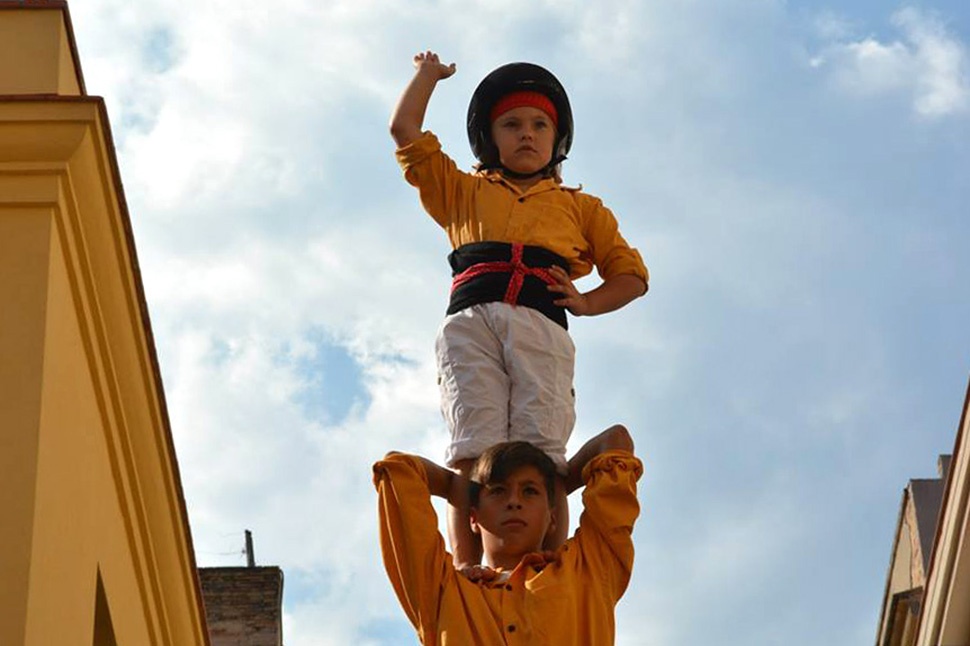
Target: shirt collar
pixel 548 184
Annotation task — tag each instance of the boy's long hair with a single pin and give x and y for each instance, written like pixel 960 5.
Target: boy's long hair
pixel 501 460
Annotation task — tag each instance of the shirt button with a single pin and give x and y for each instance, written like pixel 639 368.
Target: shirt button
pixel 521 199
pixel 511 628
pixel 508 587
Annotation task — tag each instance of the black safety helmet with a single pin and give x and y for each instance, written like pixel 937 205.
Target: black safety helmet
pixel 517 77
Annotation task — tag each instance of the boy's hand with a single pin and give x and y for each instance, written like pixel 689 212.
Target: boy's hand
pixel 476 573
pixel 539 560
pixel 572 300
pixel 429 61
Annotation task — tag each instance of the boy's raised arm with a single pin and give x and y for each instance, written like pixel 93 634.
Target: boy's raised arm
pixel 610 506
pixel 409 114
pixel 443 482
pixel 413 550
pixel 614 438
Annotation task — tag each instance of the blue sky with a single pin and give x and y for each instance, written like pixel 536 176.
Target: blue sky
pixel 796 176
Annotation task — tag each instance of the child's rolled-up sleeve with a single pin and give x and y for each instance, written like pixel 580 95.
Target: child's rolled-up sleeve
pixel 611 253
pixel 610 508
pixel 413 550
pixel 436 176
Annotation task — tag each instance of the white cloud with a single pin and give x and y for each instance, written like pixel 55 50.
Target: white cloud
pixel 832 26
pixel 943 86
pixel 877 68
pixel 928 64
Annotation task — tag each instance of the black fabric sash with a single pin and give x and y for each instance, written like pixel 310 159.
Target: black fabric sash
pixel 493 285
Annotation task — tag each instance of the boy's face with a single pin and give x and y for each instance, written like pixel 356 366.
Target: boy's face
pixel 524 137
pixel 513 517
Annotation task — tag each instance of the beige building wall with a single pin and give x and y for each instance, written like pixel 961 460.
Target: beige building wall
pixel 945 617
pixel 95 545
pixel 915 531
pixel 927 597
pixel 902 564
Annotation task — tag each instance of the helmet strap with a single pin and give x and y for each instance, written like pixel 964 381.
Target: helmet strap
pixel 545 171
pixel 514 175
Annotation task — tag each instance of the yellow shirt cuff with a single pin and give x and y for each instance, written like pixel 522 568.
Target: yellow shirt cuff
pixel 418 150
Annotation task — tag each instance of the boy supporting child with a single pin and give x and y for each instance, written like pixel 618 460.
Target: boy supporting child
pixel 519 238
pixel 531 597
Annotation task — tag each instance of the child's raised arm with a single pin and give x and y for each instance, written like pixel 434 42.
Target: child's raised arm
pixel 409 114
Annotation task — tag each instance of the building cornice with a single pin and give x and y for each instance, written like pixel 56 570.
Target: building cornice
pixel 61 7
pixel 57 156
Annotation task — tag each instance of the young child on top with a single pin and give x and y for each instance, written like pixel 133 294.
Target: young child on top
pixel 531 597
pixel 520 237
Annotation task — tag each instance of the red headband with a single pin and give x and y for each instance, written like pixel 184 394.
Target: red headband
pixel 520 99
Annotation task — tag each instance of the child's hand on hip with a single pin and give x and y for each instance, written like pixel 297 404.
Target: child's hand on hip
pixel 430 61
pixel 572 299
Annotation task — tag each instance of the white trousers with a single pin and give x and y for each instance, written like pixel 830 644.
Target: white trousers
pixel 505 373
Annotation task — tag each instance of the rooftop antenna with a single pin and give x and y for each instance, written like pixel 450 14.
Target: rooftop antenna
pixel 250 555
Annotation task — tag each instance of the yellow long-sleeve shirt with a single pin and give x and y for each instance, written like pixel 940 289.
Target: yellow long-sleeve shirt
pixel 487 207
pixel 566 604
